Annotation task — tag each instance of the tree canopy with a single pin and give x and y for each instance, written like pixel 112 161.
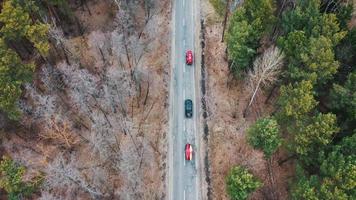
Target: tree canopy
pixel 343 101
pixel 264 135
pixel 316 106
pixel 13 73
pixel 315 46
pixel 246 27
pixel 17 25
pixel 309 43
pixel 241 183
pixel 11 180
pixel 296 101
pixel 337 177
pixel 313 134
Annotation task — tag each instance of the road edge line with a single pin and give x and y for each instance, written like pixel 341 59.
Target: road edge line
pixel 171 104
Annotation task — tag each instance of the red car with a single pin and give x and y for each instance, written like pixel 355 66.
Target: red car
pixel 188 152
pixel 189 57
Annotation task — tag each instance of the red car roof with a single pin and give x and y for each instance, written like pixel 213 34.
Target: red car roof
pixel 189 57
pixel 188 152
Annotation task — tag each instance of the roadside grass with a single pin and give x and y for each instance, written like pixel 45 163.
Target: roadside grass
pixel 219 6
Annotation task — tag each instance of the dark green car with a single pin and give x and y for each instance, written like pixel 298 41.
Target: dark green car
pixel 188 107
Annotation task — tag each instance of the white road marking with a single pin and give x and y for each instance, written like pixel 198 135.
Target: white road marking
pixel 184 194
pixel 193 23
pixel 183 21
pixel 184 159
pixel 196 133
pixel 183 3
pixel 184 127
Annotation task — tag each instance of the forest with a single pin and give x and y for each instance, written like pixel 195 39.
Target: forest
pixel 83 99
pixel 304 51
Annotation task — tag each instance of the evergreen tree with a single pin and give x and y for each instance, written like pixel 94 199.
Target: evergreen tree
pixel 311 37
pixel 337 177
pixel 312 134
pixel 11 180
pixel 13 73
pixel 240 183
pixel 296 101
pixel 17 24
pixel 346 53
pixel 343 102
pixel 247 25
pixel 264 135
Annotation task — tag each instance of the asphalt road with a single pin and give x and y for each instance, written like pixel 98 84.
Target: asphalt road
pixel 183 175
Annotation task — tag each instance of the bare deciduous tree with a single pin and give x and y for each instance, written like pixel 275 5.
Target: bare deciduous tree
pixel 117 3
pixel 265 72
pixel 141 76
pixel 46 195
pixel 66 173
pixel 59 131
pixel 113 103
pixel 58 36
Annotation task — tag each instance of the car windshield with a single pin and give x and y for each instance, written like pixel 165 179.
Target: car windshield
pixel 188 105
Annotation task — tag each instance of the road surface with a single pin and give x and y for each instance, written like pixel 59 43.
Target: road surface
pixel 183 175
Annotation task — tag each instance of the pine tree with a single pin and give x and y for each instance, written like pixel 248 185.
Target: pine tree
pixel 17 24
pixel 264 135
pixel 18 27
pixel 343 101
pixel 337 177
pixel 13 73
pixel 241 183
pixel 296 101
pixel 247 25
pixel 312 134
pixel 11 180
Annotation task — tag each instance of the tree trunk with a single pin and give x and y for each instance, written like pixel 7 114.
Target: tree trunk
pixel 85 3
pixel 28 46
pixel 252 98
pixel 227 9
pixel 14 48
pixel 147 92
pixel 64 53
pixel 128 55
pixel 102 55
pixel 281 162
pixel 20 48
pixel 271 93
pixel 52 11
pixel 271 178
pixel 81 30
pixel 132 109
